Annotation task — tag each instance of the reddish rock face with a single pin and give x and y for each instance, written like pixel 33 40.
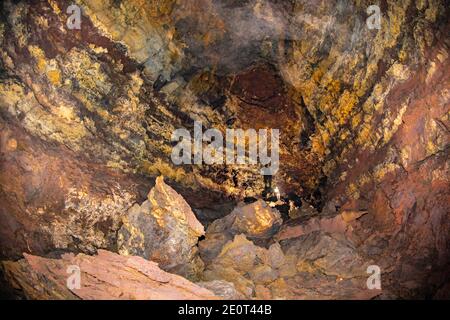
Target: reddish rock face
pixel 86 118
pixel 163 229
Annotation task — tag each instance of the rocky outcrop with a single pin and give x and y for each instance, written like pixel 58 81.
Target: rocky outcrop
pixel 86 118
pixel 341 223
pixel 223 289
pixel 315 266
pixel 163 229
pixel 104 276
pixel 257 221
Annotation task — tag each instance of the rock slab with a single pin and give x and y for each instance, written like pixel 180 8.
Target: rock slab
pixel 163 229
pixel 105 276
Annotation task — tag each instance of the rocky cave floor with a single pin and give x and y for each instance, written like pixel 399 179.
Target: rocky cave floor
pixel 248 254
pixel 164 252
pixel 88 187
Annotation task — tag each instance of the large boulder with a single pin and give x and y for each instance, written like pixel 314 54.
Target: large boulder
pixel 223 289
pixel 341 223
pixel 163 229
pixel 244 264
pixel 104 276
pixel 257 221
pixel 330 253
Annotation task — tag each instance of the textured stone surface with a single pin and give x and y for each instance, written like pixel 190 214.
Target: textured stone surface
pixel 163 229
pixel 319 265
pixel 86 118
pixel 256 220
pixel 340 223
pixel 104 276
pixel 223 289
pixel 332 254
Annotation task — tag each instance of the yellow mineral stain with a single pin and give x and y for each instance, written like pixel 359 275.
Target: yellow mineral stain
pixel 11 145
pixel 54 76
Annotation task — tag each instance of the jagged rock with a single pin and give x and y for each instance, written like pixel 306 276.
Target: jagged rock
pixel 363 113
pixel 236 259
pixel 246 264
pixel 314 266
pixel 340 223
pixel 163 229
pixel 244 286
pixel 239 254
pixel 223 289
pixel 104 276
pixel 332 254
pixel 320 265
pixel 263 274
pixel 275 256
pixel 256 220
pixel 211 246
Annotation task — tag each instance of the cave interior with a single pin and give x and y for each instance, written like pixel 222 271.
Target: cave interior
pixel 357 203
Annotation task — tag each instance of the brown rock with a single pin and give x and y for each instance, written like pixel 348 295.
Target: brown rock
pixel 339 224
pixel 331 254
pixel 262 292
pixel 243 285
pixel 211 246
pixel 275 256
pixel 163 197
pixel 104 276
pixel 263 274
pixel 280 289
pixel 239 254
pixel 163 229
pixel 256 220
pixel 289 268
pixel 223 289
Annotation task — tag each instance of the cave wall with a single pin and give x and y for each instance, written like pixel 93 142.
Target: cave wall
pixel 87 115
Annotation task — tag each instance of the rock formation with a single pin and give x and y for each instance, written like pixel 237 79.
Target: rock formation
pixel 163 229
pixel 316 266
pixel 87 116
pixel 104 276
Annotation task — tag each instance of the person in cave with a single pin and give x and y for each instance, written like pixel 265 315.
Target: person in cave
pixel 267 193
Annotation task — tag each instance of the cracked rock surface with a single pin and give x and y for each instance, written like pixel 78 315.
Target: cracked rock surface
pixel 86 118
pixel 163 229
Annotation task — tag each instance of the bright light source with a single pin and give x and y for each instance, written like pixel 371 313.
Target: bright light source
pixel 277 193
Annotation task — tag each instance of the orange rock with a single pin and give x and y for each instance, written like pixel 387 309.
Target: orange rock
pixel 350 215
pixel 104 276
pixel 336 224
pixel 165 230
pixel 256 220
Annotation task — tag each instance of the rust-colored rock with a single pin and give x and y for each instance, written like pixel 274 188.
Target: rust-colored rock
pixel 86 118
pixel 104 276
pixel 340 223
pixel 163 229
pixel 256 220
pixel 223 289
